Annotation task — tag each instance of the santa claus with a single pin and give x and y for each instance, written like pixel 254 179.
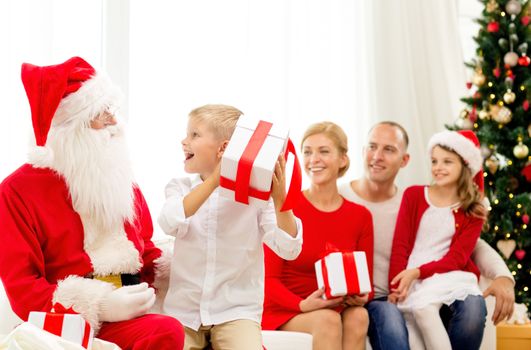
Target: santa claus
pixel 74 227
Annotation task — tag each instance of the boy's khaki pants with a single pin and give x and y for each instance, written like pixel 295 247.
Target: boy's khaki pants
pixel 232 335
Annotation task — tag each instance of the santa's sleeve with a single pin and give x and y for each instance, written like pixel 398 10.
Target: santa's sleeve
pixel 23 270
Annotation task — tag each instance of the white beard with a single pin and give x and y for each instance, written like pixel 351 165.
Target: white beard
pixel 98 172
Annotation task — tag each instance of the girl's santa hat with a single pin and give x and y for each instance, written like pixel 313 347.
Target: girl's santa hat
pixel 466 144
pixel 70 92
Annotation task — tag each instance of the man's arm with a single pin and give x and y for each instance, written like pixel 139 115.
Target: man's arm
pixel 492 266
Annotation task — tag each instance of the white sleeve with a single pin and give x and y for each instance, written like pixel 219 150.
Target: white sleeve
pixel 172 219
pixel 283 244
pixel 489 262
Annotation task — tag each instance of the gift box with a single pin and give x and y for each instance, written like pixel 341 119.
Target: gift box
pixel 513 336
pixel 248 162
pixel 343 273
pixel 69 326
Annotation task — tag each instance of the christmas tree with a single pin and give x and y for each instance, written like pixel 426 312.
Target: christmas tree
pixel 497 109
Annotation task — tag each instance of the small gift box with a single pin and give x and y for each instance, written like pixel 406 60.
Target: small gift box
pixel 343 274
pixel 248 162
pixel 513 336
pixel 64 323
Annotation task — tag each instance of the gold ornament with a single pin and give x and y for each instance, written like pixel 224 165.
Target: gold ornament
pixel 464 123
pixel 503 116
pixel 483 114
pixel 492 6
pixel 520 151
pixel 478 79
pixel 492 163
pixel 509 96
pixel 529 130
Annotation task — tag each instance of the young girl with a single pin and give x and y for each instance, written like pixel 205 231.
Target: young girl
pixel 292 300
pixel 436 231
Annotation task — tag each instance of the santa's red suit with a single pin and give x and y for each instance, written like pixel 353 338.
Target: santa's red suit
pixel 51 255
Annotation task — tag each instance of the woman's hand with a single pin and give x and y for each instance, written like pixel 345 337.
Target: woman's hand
pixel 404 280
pixel 278 190
pixel 356 300
pixel 315 301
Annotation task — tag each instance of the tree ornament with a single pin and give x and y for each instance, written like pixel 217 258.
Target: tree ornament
pixel 509 96
pixel 525 106
pixel 492 163
pixel 493 27
pixel 520 254
pixel 510 58
pixel 525 219
pixel 506 247
pixel 496 72
pixel 526 172
pixel 479 78
pixel 485 151
pixel 520 151
pixel 513 7
pixel 492 6
pixel 529 126
pixel 503 116
pixel 525 20
pixel 463 122
pixel 524 61
pixel 503 43
pixel 483 114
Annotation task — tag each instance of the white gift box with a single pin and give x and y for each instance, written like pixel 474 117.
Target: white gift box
pixel 71 327
pixel 343 274
pixel 263 165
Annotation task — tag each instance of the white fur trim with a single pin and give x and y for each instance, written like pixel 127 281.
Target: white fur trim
pixel 111 252
pixel 94 96
pixel 84 295
pixel 461 145
pixel 40 157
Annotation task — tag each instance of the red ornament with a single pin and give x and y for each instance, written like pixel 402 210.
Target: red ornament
pixel 525 20
pixel 525 105
pixel 524 61
pixel 497 72
pixel 473 115
pixel 468 85
pixel 520 253
pixel 527 172
pixel 525 219
pixel 493 27
pixel 509 74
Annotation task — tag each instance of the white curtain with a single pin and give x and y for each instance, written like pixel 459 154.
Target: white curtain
pixel 416 71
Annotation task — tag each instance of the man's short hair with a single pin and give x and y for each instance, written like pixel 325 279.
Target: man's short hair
pixel 220 119
pixel 396 125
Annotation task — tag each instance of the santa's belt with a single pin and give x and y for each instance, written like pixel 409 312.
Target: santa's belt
pixel 119 280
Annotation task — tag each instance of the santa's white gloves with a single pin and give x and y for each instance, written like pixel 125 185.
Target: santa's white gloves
pixel 127 302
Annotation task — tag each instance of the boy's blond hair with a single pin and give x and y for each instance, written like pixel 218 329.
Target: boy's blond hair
pixel 220 119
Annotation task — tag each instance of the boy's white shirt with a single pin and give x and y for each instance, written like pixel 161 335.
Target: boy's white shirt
pixel 217 270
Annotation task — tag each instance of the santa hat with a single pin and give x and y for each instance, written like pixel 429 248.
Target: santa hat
pixel 466 144
pixel 66 92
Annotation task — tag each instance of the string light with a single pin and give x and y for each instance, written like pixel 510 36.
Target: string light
pixel 519 206
pixel 524 226
pixel 496 228
pixel 526 289
pixel 511 195
pixel 522 87
pixel 496 201
pixel 507 235
pixel 519 266
pixel 509 162
pixel 492 96
pixel 490 84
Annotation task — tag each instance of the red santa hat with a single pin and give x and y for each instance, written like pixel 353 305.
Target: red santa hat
pixel 69 91
pixel 466 144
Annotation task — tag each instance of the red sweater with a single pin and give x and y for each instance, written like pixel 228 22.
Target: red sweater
pixel 467 232
pixel 287 283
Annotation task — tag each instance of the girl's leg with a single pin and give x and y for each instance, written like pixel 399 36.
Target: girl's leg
pixel 355 327
pixel 414 337
pixel 324 325
pixel 432 328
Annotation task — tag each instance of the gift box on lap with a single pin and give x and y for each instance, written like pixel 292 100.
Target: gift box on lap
pixel 248 162
pixel 69 326
pixel 343 273
pixel 513 336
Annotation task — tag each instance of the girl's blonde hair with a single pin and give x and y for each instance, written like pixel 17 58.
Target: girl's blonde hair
pixel 469 196
pixel 220 119
pixel 334 133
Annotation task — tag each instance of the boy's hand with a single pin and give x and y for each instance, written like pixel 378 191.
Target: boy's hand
pixel 315 302
pixel 392 298
pixel 213 179
pixel 404 280
pixel 278 190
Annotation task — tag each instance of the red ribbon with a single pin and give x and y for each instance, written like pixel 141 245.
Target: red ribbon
pixel 53 322
pixel 241 187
